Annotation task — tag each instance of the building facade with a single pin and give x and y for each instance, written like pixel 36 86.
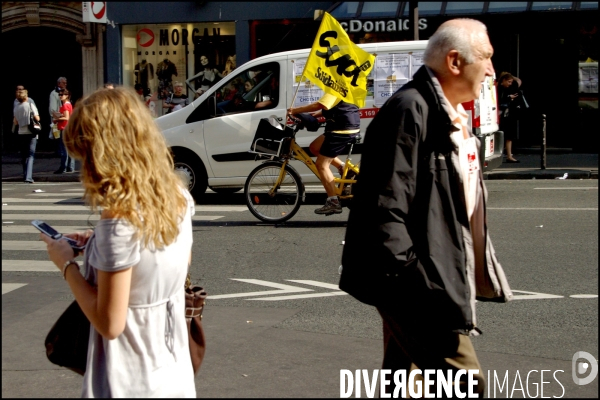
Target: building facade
pixel 551 46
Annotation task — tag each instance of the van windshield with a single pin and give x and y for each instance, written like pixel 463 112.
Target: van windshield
pixel 256 88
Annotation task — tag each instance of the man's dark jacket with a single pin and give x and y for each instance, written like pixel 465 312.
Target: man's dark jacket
pixel 408 238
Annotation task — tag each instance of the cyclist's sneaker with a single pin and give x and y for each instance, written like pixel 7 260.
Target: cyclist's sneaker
pixel 329 208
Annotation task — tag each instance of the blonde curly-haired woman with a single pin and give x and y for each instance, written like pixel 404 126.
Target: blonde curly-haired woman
pixel 137 257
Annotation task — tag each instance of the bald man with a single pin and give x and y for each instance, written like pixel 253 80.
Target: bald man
pixel 417 245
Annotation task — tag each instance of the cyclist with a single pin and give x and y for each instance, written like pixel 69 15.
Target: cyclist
pixel 343 125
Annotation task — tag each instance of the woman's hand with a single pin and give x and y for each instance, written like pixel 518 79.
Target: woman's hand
pixel 59 250
pixel 81 237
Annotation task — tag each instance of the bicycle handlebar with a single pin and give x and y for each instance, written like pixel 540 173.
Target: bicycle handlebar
pixel 305 121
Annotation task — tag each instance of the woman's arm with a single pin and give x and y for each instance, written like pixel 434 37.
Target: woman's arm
pixel 64 116
pixel 104 306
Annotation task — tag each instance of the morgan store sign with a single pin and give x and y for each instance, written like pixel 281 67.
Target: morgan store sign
pixel 391 25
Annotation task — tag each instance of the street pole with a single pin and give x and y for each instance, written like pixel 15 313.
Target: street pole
pixel 543 149
pixel 414 15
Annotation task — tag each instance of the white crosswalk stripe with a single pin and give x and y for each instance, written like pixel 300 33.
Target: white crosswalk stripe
pixel 66 211
pixel 80 217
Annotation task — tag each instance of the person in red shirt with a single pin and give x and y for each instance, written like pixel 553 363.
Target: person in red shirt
pixel 67 163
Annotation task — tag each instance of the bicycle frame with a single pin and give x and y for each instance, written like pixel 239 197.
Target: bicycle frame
pixel 297 153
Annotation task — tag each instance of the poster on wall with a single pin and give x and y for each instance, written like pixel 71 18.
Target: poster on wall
pixel 308 92
pixel 588 77
pixel 392 71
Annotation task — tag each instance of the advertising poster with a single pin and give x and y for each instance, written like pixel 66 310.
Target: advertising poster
pixel 392 71
pixel 416 61
pixel 308 91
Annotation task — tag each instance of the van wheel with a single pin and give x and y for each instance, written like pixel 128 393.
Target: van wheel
pixel 226 190
pixel 193 173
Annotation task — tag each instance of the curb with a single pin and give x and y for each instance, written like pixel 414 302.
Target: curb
pixel 46 177
pixel 541 174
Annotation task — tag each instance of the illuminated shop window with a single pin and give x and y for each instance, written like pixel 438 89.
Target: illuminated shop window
pixel 588 5
pixel 551 5
pixel 347 9
pixel 157 56
pixel 463 7
pixel 507 6
pixel 379 9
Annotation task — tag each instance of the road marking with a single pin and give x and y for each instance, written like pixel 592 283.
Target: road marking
pixel 48 207
pixel 543 209
pixel 316 283
pixel 82 217
pixel 67 195
pixel 302 296
pixel 221 208
pixel 17 200
pixel 282 289
pixel 9 287
pixel 584 296
pixel 23 245
pixel 566 188
pixel 31 229
pixel 534 295
pixel 29 266
pixel 58 207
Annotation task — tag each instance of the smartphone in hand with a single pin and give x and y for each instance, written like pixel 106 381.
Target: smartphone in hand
pixel 54 234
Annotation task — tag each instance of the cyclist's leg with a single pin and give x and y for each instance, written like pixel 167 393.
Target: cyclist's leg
pixel 322 165
pixel 315 149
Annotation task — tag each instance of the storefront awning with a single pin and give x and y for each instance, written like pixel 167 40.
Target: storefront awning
pixel 384 9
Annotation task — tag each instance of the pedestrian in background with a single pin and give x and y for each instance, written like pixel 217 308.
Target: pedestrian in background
pixel 510 99
pixel 54 106
pixel 136 259
pixel 27 141
pixel 67 163
pixel 176 101
pixel 417 244
pixel 16 103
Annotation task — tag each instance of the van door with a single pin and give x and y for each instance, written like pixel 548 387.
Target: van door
pixel 240 103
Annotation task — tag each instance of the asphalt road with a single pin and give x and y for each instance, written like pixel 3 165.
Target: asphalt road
pixel 276 324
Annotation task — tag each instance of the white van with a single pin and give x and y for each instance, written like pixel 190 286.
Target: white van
pixel 211 137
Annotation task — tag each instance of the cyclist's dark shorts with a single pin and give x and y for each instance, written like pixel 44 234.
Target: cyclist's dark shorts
pixel 334 143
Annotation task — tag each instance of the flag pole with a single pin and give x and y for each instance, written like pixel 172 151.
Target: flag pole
pixel 298 88
pixel 304 70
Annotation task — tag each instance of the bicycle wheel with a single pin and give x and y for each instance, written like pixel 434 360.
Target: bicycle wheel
pixel 285 200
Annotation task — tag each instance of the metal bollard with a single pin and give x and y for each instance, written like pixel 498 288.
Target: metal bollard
pixel 543 148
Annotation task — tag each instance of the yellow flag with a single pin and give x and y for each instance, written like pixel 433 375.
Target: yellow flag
pixel 337 65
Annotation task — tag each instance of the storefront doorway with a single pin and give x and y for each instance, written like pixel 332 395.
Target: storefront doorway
pixel 37 57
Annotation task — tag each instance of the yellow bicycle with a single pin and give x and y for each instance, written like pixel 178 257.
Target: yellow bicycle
pixel 274 190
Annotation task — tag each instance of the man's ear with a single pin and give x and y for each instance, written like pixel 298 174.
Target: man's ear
pixel 453 62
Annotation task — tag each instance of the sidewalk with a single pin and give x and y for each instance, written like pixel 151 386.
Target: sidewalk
pixel 558 163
